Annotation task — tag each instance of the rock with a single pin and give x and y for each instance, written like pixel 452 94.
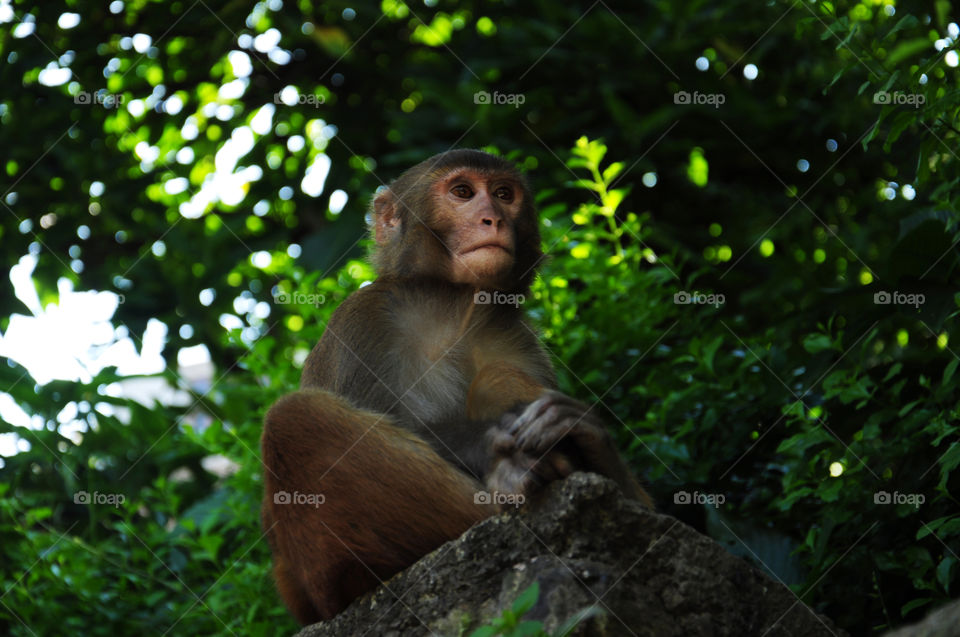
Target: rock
pixel 586 545
pixel 943 622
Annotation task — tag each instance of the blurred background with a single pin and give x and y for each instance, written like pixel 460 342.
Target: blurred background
pixel 752 216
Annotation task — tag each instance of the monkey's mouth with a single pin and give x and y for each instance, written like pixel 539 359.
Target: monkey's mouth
pixel 488 245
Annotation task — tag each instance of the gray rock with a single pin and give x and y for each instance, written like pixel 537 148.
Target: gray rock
pixel 943 622
pixel 586 545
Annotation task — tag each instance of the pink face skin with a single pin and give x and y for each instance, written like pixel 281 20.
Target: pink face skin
pixel 481 210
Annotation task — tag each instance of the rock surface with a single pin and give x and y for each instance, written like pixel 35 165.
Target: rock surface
pixel 943 622
pixel 648 574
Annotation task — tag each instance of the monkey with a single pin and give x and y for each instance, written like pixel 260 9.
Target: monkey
pixel 427 388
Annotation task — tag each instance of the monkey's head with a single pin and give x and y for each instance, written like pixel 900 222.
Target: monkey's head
pixel 463 216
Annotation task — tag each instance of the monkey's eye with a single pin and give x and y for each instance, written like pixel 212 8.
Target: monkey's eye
pixel 504 193
pixel 462 190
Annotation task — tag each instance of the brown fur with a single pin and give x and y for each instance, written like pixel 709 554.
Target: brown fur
pixel 407 402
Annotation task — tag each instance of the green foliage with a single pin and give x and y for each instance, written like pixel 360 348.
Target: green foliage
pixel 823 470
pixel 510 623
pixel 712 282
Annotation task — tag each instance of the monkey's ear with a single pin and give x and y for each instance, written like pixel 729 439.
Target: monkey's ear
pixel 386 220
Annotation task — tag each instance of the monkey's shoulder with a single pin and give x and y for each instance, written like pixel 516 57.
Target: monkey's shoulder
pixel 381 325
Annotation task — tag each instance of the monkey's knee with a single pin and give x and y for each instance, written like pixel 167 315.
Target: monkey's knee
pixel 297 414
pixel 300 426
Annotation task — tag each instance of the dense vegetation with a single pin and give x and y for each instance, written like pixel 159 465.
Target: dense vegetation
pixel 753 216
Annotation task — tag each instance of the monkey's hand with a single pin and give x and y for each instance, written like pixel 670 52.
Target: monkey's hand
pixel 557 425
pixel 514 471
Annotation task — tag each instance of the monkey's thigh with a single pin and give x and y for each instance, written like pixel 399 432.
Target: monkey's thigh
pixel 351 498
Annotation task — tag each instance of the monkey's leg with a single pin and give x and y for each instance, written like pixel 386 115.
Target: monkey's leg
pixel 352 499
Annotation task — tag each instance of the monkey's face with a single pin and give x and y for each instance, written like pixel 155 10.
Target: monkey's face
pixel 477 213
pixel 462 216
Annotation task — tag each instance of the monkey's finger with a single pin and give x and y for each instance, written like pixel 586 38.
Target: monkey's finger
pixel 550 410
pixel 561 421
pixel 534 410
pixel 553 466
pixel 542 434
pixel 539 438
pixel 515 476
pixel 503 443
pixel 599 452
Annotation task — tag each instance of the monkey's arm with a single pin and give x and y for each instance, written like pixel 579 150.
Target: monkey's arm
pixel 534 434
pixel 504 402
pixel 352 357
pixel 557 423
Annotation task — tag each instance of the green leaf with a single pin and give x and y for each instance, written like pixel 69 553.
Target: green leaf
pixel 829 491
pixel 814 343
pixel 865 143
pixel 587 613
pixel 698 168
pixel 585 183
pixel 799 443
pixel 526 599
pixel 796 409
pixel 908 21
pixel 528 629
pixel 900 123
pixel 610 173
pixel 709 351
pixel 837 76
pixel 948 462
pixel 943 571
pixel 906 409
pixel 211 544
pixel 949 371
pixel 894 370
pixel 916 603
pixel 846 40
pixel 907 49
pixel 847 386
pixel 833 29
pixel 612 199
pixel 890 81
